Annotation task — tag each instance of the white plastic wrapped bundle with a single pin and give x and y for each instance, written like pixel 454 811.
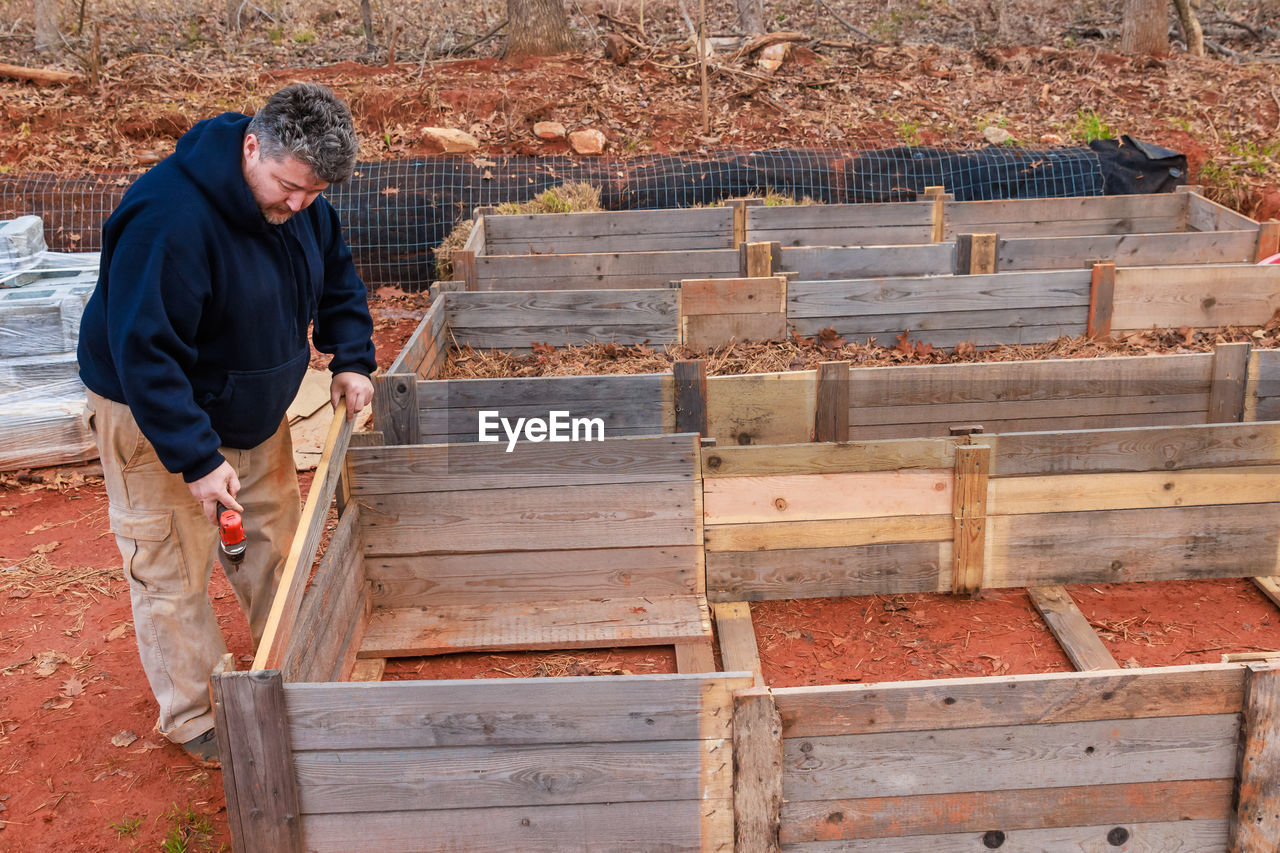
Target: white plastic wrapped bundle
pixel 45 426
pixel 21 243
pixel 43 318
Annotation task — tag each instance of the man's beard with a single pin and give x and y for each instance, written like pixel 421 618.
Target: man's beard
pixel 276 216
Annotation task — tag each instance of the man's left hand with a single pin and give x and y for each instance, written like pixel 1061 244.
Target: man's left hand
pixel 356 387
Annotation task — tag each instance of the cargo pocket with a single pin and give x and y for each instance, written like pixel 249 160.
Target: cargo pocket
pixel 152 558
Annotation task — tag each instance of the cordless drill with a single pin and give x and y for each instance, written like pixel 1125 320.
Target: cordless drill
pixel 231 539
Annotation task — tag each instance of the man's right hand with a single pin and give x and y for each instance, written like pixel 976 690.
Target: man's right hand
pixel 220 484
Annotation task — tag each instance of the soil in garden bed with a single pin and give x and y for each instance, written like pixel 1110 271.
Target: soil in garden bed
pixel 638 660
pixel 926 636
pixel 801 353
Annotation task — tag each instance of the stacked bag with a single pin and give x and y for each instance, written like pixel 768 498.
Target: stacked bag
pixel 42 296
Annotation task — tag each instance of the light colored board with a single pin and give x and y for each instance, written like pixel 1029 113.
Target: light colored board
pixel 1143 449
pixel 912 491
pixel 939 294
pixel 302 551
pixel 1198 296
pixel 826 264
pixel 1206 215
pixel 645 307
pixel 969 508
pixel 1230 375
pixel 708 331
pixel 1027 409
pixel 764 220
pixel 1101 752
pixel 631 230
pixel 594 422
pixel 826 458
pixel 979 812
pixel 757 775
pixel 785 535
pixel 737 638
pixel 609 827
pixel 584 709
pixel 1071 629
pixel 1068 216
pixel 335 594
pixel 762 408
pixel 1256 824
pixel 593 624
pixel 733 296
pixel 438 468
pixel 1128 250
pixel 1035 380
pixel 1118 546
pixel 1198 836
pixel 369 669
pixel 1010 700
pixel 542 390
pixel 617 516
pixel 1268 240
pixel 389 780
pixel 605 270
pixel 489 578
pixel 1252 484
pixel 829 572
pixel 883 235
pixel 696 656
pixel 872 433
pixel 421 341
pixel 1270 587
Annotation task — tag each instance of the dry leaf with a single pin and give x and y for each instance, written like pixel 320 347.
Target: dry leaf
pixel 46 548
pixel 123 738
pixel 44 525
pixel 47 663
pixel 389 190
pixel 56 704
pixel 147 746
pixel 73 686
pixel 118 631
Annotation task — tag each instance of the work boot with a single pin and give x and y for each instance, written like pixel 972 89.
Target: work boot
pixel 203 749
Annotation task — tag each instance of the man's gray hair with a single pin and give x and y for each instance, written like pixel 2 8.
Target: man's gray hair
pixel 308 121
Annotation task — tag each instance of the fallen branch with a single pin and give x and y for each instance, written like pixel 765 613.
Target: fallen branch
pixel 42 76
pixel 478 39
pixel 848 26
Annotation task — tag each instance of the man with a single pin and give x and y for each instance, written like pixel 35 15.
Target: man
pixel 193 346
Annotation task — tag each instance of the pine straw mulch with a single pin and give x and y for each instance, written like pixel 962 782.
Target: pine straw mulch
pixel 36 575
pixel 800 353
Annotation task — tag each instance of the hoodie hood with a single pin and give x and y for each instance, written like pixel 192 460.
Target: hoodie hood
pixel 211 154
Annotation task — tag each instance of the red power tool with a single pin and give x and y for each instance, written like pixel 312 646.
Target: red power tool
pixel 231 539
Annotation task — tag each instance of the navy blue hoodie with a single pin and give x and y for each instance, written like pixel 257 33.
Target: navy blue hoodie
pixel 199 321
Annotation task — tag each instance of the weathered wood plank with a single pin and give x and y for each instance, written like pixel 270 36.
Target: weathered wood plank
pixel 1100 752
pixel 584 709
pixel 488 578
pixel 1127 250
pixel 939 294
pixel 831 417
pixel 1256 824
pixel 829 572
pixel 610 827
pixel 403 470
pixel 709 331
pixel 1268 240
pixel 631 230
pixel 1198 836
pixel 1102 300
pixel 369 669
pixel 1254 484
pixel 519 340
pixel 1142 449
pixel 805 497
pixel 257 770
pixel 1230 371
pixel 980 337
pixel 696 656
pixel 541 390
pixel 1011 700
pixel 395 407
pixel 1071 629
pixel 390 780
pixel 1028 409
pixel 764 222
pixel 603 270
pixel 1050 216
pixel 733 295
pixel 757 777
pixel 420 342
pixel 314 647
pixel 762 408
pixel 1171 543
pixel 969 508
pixel 1206 215
pixel 532 519
pixel 737 638
pixel 690 381
pixel 1165 419
pixel 1204 296
pixel 886 455
pixel 518 625
pixel 561 308
pixel 826 263
pixel 569 422
pixel 981 811
pixel 784 535
pixel 976 254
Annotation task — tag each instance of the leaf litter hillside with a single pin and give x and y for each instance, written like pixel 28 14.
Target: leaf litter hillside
pixel 1044 75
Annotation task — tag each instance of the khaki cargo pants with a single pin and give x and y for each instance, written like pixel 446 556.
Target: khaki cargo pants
pixel 168 547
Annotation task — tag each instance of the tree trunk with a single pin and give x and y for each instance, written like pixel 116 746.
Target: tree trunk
pixel 751 16
pixel 1190 27
pixel 47 24
pixel 537 28
pixel 1146 28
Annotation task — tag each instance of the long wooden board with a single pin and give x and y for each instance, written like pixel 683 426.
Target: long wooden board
pixel 826 264
pixel 619 231
pixel 1196 836
pixel 827 572
pixel 912 491
pixel 1071 629
pixel 1062 216
pixel 1039 253
pixel 591 624
pixel 1101 752
pixel 1196 296
pixel 575 709
pixel 996 410
pixel 829 458
pixel 783 535
pixel 939 294
pixel 603 270
pixel 990 425
pixel 551 308
pixel 1254 484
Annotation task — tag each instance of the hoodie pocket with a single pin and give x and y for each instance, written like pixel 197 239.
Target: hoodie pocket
pixel 250 407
